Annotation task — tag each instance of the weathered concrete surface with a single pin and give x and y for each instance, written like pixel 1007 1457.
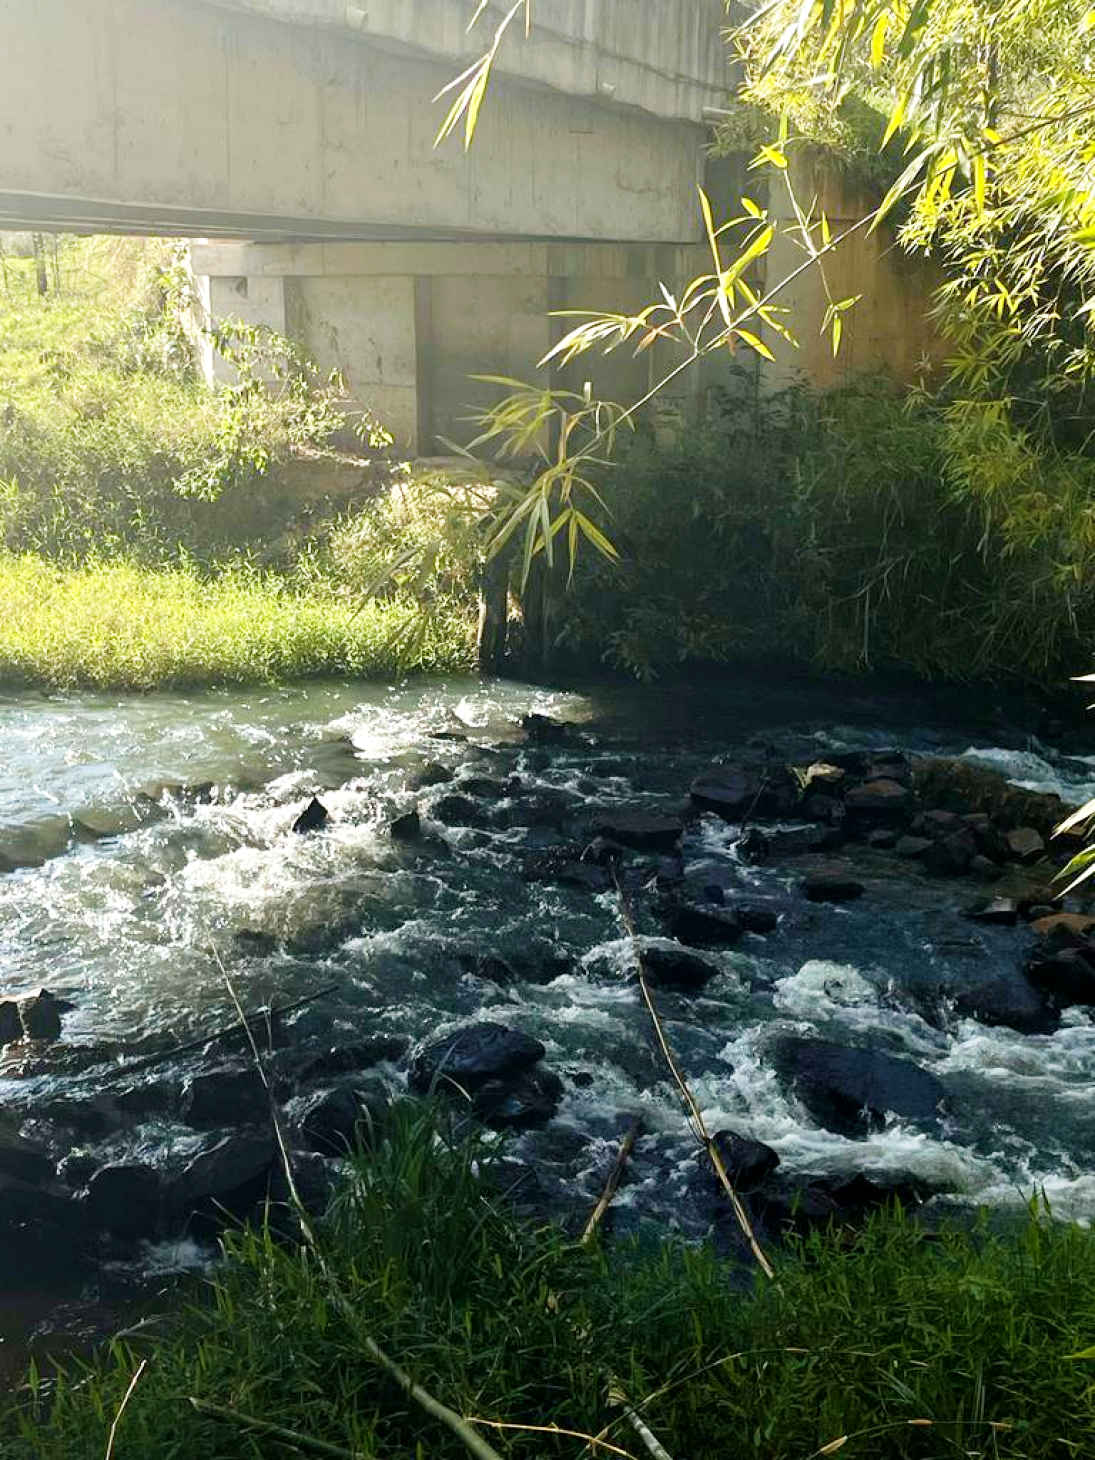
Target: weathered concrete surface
pixel 310 119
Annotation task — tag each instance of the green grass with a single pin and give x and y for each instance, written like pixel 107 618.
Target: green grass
pixel 116 625
pixel 910 1345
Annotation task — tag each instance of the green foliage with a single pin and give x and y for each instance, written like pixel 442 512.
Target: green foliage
pixel 899 1343
pixel 853 530
pixel 116 625
pixel 109 443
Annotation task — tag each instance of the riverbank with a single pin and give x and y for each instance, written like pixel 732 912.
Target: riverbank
pixel 899 1342
pixel 121 626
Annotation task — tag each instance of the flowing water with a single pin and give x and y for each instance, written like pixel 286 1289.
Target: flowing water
pixel 163 826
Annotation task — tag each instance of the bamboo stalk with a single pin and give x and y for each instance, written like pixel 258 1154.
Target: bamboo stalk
pixel 627 1145
pixel 650 1440
pixel 218 1034
pixel 695 1115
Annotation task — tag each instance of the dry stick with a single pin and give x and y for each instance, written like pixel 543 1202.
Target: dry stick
pixel 218 1034
pixel 276 1432
pixel 617 1396
pixel 695 1116
pixel 454 1422
pixel 627 1145
pixel 141 1367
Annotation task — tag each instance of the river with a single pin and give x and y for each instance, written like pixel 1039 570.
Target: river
pixel 164 828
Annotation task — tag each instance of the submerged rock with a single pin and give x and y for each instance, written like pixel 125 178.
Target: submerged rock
pixel 473 1055
pixel 543 730
pixel 230 1175
pixel 433 773
pixel 831 886
pixel 456 810
pixel 336 1122
pixel 1010 1000
pixel 42 1233
pixel 851 1091
pixel 41 1015
pixel 520 1103
pixel 704 927
pixel 999 910
pixel 11 1026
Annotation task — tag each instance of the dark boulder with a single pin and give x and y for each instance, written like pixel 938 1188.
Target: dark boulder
pixel 11 1026
pixel 124 1200
pixel 406 828
pixel 550 809
pixel 345 1059
pixel 676 968
pixel 22 1161
pixel 488 788
pixel 643 831
pixel 703 927
pixel 912 847
pixel 543 730
pixel 230 1175
pixel 829 886
pixel 882 838
pixel 748 1163
pixel 225 1097
pixel 41 1015
pixel 523 1102
pixel 471 1056
pixel 884 801
pixel 1066 975
pixel 1010 1000
pixel 952 853
pixel 314 817
pixel 968 788
pixel 138 1101
pixel 253 944
pixel 824 1201
pixel 1003 911
pixel 737 792
pixel 337 1122
pixel 42 1234
pixel 457 810
pixel 431 774
pixel 851 1091
pixel 756 917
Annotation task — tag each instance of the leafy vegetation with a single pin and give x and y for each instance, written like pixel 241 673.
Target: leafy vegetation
pixel 117 625
pixel 898 1343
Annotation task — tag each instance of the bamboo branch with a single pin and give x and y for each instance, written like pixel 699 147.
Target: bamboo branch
pixel 653 1445
pixel 627 1145
pixel 275 1432
pixel 454 1422
pixel 695 1115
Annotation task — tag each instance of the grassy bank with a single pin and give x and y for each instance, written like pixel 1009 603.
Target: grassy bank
pixel 121 626
pixel 907 1344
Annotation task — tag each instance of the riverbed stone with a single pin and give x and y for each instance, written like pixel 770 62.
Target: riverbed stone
pixel 346 1059
pixel 952 853
pixel 850 1091
pixel 1007 999
pixel 229 1174
pixel 124 1199
pixel 884 800
pixel 1003 911
pixel 544 730
pixel 831 886
pixel 225 1097
pixel 677 968
pixel 474 1054
pixel 1076 928
pixel 639 829
pixel 748 1162
pixel 433 773
pixel 1067 975
pixel 738 791
pixel 458 810
pixel 336 1122
pixel 913 847
pixel 1025 844
pixel 703 927
pixel 523 1102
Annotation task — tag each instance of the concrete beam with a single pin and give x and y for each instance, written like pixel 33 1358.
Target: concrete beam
pixel 221 119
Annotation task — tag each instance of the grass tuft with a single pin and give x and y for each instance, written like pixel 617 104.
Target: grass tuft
pixel 121 626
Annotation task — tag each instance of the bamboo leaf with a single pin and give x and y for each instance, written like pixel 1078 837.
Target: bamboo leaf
pixel 755 343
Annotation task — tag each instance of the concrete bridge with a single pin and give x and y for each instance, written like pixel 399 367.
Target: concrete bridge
pixel 293 140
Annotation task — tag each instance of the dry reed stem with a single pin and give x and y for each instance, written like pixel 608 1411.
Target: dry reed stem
pixel 596 1441
pixel 627 1145
pixel 127 1396
pixel 695 1116
pixel 454 1422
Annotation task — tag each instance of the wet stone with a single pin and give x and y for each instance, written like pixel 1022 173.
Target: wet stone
pixel 124 1200
pixel 11 1026
pixel 1010 1000
pixel 850 1091
pixel 522 1103
pixel 473 1055
pixel 225 1097
pixel 345 1059
pixel 748 1163
pixel 704 927
pixel 456 810
pixel 41 1016
pixel 831 887
pixel 1000 910
pixel 676 968
pixel 433 773
pixel 1025 844
pixel 314 817
pixel 644 831
pixel 912 847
